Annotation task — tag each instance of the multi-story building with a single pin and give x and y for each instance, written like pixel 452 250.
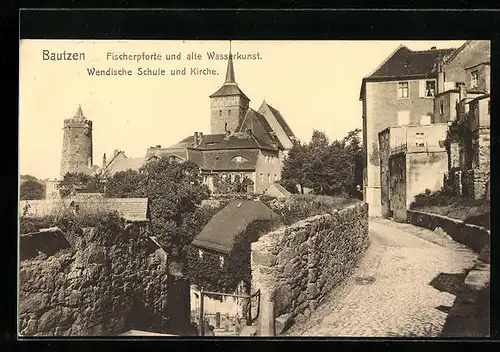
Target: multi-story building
pixel 412 159
pixel 400 92
pixel 467 74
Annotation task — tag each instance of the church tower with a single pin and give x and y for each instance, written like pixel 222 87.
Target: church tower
pixel 229 104
pixel 77 145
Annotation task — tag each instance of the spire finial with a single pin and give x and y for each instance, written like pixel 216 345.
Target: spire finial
pixel 79 112
pixel 230 69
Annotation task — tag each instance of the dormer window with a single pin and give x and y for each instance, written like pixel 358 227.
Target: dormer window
pixel 239 159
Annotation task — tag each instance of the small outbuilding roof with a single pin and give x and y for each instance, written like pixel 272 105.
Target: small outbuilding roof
pixel 220 233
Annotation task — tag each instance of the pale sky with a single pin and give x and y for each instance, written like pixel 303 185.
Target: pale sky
pixel 314 84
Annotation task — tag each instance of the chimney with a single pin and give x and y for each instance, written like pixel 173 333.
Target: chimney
pixel 433 48
pixel 201 137
pixel 440 83
pixel 158 146
pixel 249 131
pixel 115 152
pixel 462 91
pixel 104 160
pixel 195 139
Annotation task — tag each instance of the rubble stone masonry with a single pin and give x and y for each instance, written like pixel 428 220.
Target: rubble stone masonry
pixel 98 285
pixel 297 266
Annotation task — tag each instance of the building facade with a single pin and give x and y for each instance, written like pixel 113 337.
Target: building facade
pixel 412 158
pixel 467 75
pixel 400 92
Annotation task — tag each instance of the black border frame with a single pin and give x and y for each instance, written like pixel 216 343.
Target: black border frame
pixel 240 24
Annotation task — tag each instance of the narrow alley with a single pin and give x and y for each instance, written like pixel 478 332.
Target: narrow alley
pixel 403 287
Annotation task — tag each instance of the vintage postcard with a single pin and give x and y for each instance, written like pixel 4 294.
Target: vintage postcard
pixel 254 188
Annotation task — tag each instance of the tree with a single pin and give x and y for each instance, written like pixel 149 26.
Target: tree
pixel 32 190
pixel 294 168
pixel 175 191
pixel 81 182
pixel 328 168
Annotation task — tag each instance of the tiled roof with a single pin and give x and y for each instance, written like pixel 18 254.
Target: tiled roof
pixel 405 62
pixel 261 130
pixel 131 209
pixel 124 165
pixel 229 89
pixel 223 160
pixel 281 121
pixel 221 231
pixel 221 141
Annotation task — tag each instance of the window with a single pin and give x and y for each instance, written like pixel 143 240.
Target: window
pixel 425 120
pixel 430 88
pixel 242 177
pixel 225 126
pixel 220 112
pixel 275 177
pixel 419 140
pixel 427 89
pixel 474 79
pixel 269 178
pixel 261 176
pixel 229 112
pixel 403 118
pixel 403 90
pixel 200 254
pixel 441 107
pixel 223 176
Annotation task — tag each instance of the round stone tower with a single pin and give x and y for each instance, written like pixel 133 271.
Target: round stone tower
pixel 77 145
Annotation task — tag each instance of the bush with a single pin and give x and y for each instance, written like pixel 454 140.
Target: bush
pixel 302 206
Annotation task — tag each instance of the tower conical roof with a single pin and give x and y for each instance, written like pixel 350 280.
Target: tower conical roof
pixel 230 87
pixel 230 70
pixel 79 113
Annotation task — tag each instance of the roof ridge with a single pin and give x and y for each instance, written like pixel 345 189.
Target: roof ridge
pixel 400 46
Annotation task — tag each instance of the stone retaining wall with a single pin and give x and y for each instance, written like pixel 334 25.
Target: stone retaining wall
pixel 297 266
pixel 473 236
pixel 98 285
pixel 470 314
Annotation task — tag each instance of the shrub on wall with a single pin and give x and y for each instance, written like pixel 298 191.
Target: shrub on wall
pixel 300 207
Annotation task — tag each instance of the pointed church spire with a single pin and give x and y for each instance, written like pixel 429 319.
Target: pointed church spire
pixel 230 69
pixel 79 113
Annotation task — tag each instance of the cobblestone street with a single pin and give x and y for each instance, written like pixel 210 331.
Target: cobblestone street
pixel 390 295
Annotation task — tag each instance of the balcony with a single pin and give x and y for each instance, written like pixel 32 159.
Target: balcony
pixel 400 148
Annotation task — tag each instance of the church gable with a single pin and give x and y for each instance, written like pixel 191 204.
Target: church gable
pixel 274 118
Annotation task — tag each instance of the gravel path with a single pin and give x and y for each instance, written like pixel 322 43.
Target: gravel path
pixel 389 294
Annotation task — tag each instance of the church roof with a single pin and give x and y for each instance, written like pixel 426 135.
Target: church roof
pixel 281 120
pixel 229 89
pixel 261 130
